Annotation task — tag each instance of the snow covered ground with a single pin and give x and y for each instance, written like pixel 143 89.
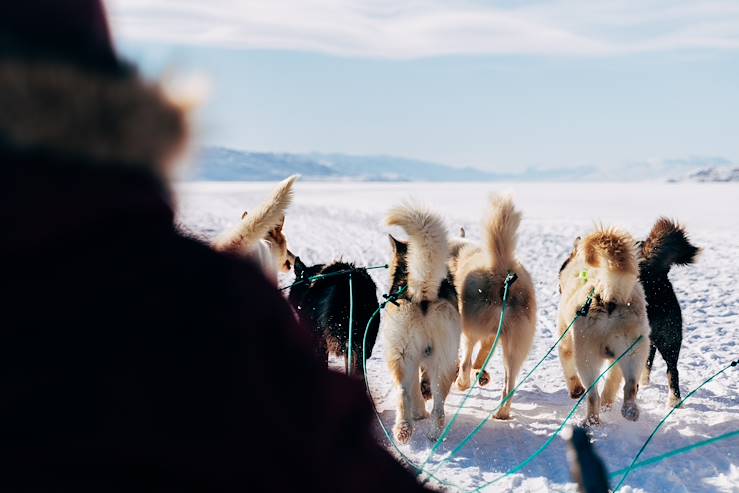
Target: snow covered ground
pixel 344 220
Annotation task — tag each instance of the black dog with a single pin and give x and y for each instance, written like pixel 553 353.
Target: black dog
pixel 323 305
pixel 666 245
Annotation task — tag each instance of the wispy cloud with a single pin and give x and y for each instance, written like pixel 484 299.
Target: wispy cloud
pixel 425 28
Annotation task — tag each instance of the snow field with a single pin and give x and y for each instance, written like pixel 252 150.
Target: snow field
pixel 344 220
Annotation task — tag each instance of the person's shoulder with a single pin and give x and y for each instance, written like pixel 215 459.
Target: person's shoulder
pixel 230 276
pixel 239 290
pixel 202 257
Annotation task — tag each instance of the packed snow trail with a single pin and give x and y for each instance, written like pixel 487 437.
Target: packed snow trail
pixel 344 220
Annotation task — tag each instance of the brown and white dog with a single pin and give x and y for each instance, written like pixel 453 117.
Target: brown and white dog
pixel 479 275
pixel 259 235
pixel 605 261
pixel 421 332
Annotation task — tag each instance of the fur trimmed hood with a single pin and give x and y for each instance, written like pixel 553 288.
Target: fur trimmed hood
pixel 64 110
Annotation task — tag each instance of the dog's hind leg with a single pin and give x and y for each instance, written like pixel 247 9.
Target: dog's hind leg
pixel 517 340
pixel 321 350
pixel 613 384
pixel 441 381
pixel 425 385
pixel 513 358
pixel 482 354
pixel 588 369
pixel 463 379
pixel 410 394
pixel 670 351
pixel 567 358
pixel 632 366
pixel 650 361
pixel 418 403
pixel 355 364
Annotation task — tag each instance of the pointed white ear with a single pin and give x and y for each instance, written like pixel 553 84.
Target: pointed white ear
pixel 243 216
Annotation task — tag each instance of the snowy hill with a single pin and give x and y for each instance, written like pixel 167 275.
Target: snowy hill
pixel 713 174
pixel 222 164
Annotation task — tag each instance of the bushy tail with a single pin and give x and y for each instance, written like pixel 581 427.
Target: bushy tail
pixel 255 225
pixel 501 231
pixel 668 244
pixel 610 255
pixel 428 250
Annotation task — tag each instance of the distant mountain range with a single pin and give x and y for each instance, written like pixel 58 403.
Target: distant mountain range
pixel 223 164
pixel 713 174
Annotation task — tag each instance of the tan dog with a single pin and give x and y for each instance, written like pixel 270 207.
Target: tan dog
pixel 259 235
pixel 606 262
pixel 479 275
pixel 421 333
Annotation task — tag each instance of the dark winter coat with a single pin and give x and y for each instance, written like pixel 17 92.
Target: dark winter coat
pixel 131 357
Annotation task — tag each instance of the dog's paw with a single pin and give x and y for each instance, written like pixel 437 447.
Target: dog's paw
pixel 577 391
pixel 426 390
pixel 590 421
pixel 503 415
pixel 483 378
pixel 403 432
pixel 630 411
pixel 673 400
pixel 418 416
pixel 606 406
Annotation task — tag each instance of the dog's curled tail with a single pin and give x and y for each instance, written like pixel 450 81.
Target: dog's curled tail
pixel 501 231
pixel 255 226
pixel 610 255
pixel 668 244
pixel 428 249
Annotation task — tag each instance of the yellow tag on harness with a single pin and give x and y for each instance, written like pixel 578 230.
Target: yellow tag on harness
pixel 583 276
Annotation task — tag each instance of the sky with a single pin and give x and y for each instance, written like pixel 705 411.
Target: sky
pixel 501 86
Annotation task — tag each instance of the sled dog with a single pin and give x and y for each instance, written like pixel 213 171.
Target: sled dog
pixel 479 275
pixel 323 306
pixel 666 245
pixel 605 262
pixel 259 235
pixel 421 332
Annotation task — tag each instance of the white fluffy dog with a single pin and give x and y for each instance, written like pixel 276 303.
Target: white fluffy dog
pixel 606 262
pixel 259 235
pixel 422 332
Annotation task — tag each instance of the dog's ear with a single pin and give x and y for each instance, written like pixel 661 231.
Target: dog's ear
pixel 399 247
pixel 289 260
pixel 462 232
pixel 299 267
pixel 577 242
pixel 243 216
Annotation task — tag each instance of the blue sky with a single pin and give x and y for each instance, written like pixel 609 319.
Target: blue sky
pixel 462 83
